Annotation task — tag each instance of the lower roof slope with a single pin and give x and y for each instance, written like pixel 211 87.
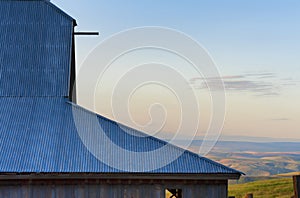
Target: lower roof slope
pixel 38 134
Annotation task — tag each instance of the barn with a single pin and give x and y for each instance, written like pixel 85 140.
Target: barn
pixel 42 154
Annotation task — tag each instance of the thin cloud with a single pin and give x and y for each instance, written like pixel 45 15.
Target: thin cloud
pixel 260 84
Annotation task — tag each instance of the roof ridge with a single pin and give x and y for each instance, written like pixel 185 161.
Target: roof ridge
pixel 56 8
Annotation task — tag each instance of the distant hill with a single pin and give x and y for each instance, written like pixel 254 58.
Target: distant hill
pixel 238 146
pixel 256 159
pixel 259 163
pixel 233 146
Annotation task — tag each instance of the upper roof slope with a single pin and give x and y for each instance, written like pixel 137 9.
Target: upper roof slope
pixel 35 43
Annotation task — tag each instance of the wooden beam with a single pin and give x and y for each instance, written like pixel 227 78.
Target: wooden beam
pixel 72 83
pixel 170 184
pixel 87 33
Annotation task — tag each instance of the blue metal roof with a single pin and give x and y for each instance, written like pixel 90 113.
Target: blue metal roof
pixel 35 43
pixel 38 134
pixel 37 128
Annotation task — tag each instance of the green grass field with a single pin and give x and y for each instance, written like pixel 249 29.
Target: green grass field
pixel 272 188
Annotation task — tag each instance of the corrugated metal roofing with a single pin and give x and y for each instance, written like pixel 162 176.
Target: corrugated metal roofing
pixel 37 127
pixel 35 43
pixel 38 134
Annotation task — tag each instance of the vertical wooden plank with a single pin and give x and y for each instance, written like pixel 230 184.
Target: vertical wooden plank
pixel 223 190
pixel 158 191
pixel 115 189
pixel 70 190
pixel 212 190
pixel 148 189
pixel 53 191
pixel 120 190
pixel 29 190
pixel 60 191
pixel 126 191
pixel 5 191
pixel 35 190
pixel 48 191
pixel 136 192
pixel 94 190
pixel 133 191
pixel 143 190
pixel 187 191
pixel 103 190
pixel 195 190
pixel 19 190
pixel 226 189
pixel 110 191
pixel 155 191
pixel 79 191
pixel 14 192
pixel 2 190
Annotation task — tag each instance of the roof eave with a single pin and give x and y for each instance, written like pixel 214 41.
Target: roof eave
pixel 127 176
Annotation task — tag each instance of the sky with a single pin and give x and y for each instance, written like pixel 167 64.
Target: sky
pixel 255 45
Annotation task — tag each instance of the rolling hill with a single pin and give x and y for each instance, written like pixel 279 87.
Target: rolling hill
pixel 272 188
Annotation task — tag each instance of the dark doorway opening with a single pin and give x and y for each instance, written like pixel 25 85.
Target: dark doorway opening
pixel 173 193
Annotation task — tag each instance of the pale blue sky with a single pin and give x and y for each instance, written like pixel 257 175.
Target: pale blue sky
pixel 240 35
pixel 245 38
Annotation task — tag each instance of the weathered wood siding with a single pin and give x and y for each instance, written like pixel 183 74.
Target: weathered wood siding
pixel 110 189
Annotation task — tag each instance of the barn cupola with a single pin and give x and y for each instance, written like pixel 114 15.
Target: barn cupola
pixel 37 50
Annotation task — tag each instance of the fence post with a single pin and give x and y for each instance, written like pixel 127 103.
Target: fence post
pixel 250 195
pixel 296 181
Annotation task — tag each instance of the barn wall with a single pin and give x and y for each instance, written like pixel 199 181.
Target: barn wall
pixel 111 189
